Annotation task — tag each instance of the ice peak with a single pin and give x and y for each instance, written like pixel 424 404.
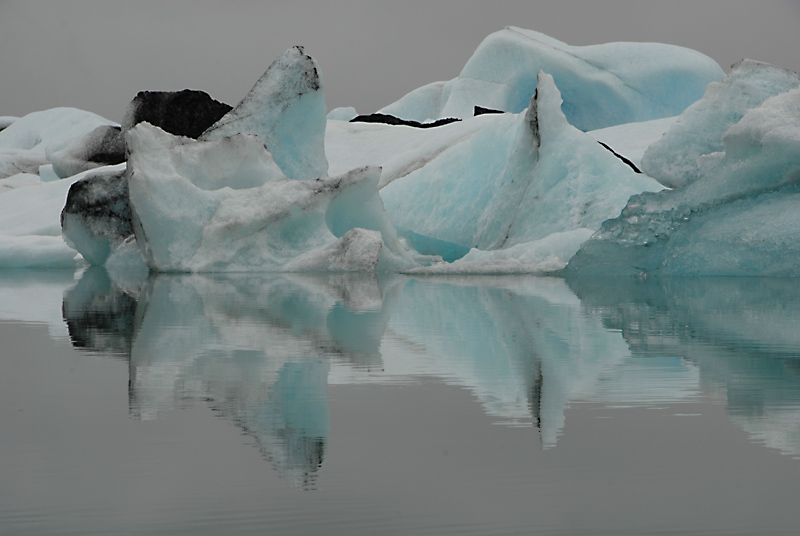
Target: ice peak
pixel 286 109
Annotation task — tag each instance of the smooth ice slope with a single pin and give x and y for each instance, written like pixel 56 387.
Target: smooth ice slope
pixel 188 220
pixel 25 143
pixel 602 85
pixel 397 149
pixel 679 157
pixel 741 217
pixel 286 109
pixel 525 191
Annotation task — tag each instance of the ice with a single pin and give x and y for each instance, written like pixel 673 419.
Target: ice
pixel 398 150
pixel 6 121
pixel 30 226
pixel 740 217
pixel 96 219
pixel 286 110
pixel 342 113
pixel 25 143
pixel 18 181
pixel 524 191
pixel 186 219
pixel 102 146
pixel 602 85
pixel 632 139
pixel 677 159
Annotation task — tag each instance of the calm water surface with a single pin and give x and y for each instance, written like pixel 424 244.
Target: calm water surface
pixel 355 404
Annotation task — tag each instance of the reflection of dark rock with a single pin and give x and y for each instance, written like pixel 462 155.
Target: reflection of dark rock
pixel 97 216
pixel 480 110
pixel 100 314
pixel 392 120
pixel 103 146
pixel 182 113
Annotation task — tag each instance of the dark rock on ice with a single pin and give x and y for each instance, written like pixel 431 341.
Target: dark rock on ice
pixel 182 113
pixel 628 162
pixel 103 146
pixel 392 120
pixel 97 216
pixel 480 110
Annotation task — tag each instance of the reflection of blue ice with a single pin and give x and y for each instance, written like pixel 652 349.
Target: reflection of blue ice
pixel 262 349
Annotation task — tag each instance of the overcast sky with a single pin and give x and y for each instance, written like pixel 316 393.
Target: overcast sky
pixel 96 54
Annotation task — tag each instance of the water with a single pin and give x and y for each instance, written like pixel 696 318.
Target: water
pixel 356 404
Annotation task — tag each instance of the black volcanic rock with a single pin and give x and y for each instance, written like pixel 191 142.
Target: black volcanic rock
pixel 392 120
pixel 183 113
pixel 480 110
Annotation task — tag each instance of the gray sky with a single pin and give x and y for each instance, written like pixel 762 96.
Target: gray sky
pixel 96 54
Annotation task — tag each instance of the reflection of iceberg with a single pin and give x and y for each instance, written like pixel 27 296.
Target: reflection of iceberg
pixel 100 313
pixel 739 333
pixel 258 348
pixel 262 349
pixel 523 345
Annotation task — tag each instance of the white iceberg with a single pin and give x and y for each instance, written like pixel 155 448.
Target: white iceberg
pixel 602 85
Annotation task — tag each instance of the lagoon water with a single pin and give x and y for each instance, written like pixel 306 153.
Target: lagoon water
pixel 362 404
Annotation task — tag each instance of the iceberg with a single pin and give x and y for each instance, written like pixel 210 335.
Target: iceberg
pixel 523 193
pixel 103 146
pixel 24 144
pixel 602 85
pixel 678 158
pixel 244 215
pixel 96 219
pixel 286 110
pixel 740 217
pixel 519 184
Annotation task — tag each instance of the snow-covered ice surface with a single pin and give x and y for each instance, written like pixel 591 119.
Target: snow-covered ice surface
pixel 740 217
pixel 602 85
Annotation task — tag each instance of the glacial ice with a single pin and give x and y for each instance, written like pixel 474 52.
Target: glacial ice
pixel 741 216
pixel 24 144
pixel 679 157
pixel 275 185
pixel 96 219
pixel 525 191
pixel 102 146
pixel 602 85
pixel 187 220
pixel 286 110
